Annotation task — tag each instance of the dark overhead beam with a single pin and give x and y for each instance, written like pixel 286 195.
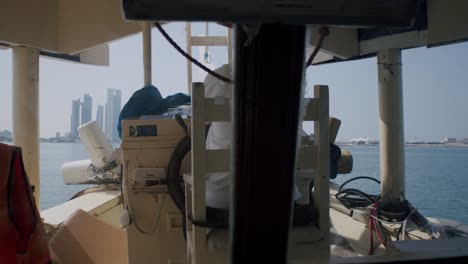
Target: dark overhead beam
pixel 361 13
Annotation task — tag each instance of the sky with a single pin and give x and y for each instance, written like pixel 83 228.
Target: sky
pixel 435 85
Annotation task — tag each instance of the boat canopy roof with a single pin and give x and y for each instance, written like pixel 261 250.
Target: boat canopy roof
pixel 358 28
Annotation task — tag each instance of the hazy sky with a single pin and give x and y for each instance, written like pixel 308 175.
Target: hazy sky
pixel 435 84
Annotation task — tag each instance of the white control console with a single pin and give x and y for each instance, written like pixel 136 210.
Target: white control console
pixel 152 221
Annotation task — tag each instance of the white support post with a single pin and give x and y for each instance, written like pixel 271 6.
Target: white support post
pixel 147 52
pixel 188 31
pixel 392 156
pixel 322 174
pixel 26 111
pixel 198 172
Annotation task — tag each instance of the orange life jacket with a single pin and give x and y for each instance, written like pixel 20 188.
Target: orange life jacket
pixel 22 235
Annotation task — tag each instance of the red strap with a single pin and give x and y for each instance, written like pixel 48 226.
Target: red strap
pixel 20 206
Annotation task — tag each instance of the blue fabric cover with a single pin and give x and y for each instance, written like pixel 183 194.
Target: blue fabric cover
pixel 148 101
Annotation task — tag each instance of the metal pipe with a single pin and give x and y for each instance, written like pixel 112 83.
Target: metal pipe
pixel 26 111
pixel 147 52
pixel 392 156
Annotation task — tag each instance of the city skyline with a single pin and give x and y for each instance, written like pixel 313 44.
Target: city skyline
pixel 112 111
pixel 113 107
pixel 100 116
pixel 75 118
pixel 86 109
pixel 434 85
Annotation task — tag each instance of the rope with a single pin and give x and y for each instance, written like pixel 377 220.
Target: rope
pixel 188 57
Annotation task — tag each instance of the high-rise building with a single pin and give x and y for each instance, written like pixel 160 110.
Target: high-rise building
pixel 75 118
pixel 100 116
pixel 113 106
pixel 86 109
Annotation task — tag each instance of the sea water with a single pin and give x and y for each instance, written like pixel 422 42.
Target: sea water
pixel 436 177
pixel 52 157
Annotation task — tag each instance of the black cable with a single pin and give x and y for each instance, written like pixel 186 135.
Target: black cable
pixel 358 178
pixel 216 218
pixel 353 198
pixel 182 124
pixel 190 58
pixel 174 177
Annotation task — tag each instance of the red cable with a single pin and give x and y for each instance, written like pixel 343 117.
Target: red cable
pixel 371 238
pixel 379 235
pixel 323 33
pixel 376 228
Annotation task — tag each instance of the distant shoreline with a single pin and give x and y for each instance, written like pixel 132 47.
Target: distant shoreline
pixel 449 145
pixel 344 144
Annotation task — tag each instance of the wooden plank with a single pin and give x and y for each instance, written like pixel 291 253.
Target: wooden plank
pixel 322 176
pixel 217 110
pixel 198 172
pixel 217 160
pixel 188 226
pixel 189 244
pixel 95 203
pixel 311 113
pixel 209 41
pixel 411 39
pixel 305 244
pixel 341 42
pixel 307 158
pixel 447 21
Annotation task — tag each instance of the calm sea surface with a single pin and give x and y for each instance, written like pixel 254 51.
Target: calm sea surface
pixel 436 177
pixel 53 155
